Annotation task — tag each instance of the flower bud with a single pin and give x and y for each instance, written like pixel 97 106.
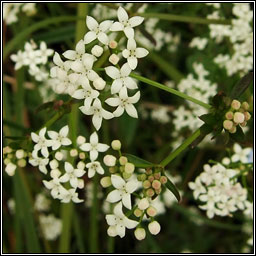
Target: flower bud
pixel 112 44
pixel 238 117
pixel 243 124
pixel 151 211
pixel 99 83
pixel 227 124
pixel 54 164
pixel 97 50
pixel 123 160
pixel 129 168
pixel 247 116
pixel 7 150
pixel 154 227
pixel 158 191
pixel 150 192
pixel 81 165
pixel 55 173
pixel 80 140
pixel 7 161
pixel 73 152
pixel 156 184
pixel 143 204
pixel 21 163
pixel 113 59
pixel 80 183
pixel 116 144
pixel 109 160
pixel 113 169
pixel 137 212
pixel 140 233
pixel 10 169
pixel 149 171
pixel 163 179
pixel 229 115
pixel 126 175
pixel 235 104
pixel 226 161
pixel 59 156
pixel 151 178
pixel 105 182
pixel 82 155
pixel 245 105
pixel 146 184
pixel 233 129
pixel 20 153
pixel 157 175
pixel 143 177
pixel 10 156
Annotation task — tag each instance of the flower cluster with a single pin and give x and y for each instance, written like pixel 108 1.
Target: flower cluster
pixel 76 76
pixel 237 115
pixel 11 10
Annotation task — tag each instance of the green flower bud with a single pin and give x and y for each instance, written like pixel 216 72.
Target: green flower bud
pixel 156 184
pixel 146 184
pixel 123 160
pixel 129 168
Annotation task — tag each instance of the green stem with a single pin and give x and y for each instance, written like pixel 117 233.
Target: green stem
pixel 17 40
pixel 173 91
pixel 182 147
pixel 187 19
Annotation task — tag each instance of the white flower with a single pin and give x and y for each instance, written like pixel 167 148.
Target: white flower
pixel 86 93
pixel 122 192
pixel 240 154
pixel 60 138
pixel 132 53
pixel 98 113
pixel 39 161
pixel 125 24
pixel 121 78
pixel 197 187
pixel 60 65
pixel 94 146
pixel 10 169
pixel 19 58
pixel 72 174
pixel 67 195
pixel 118 222
pixel 53 185
pixel 97 50
pixel 41 142
pixel 97 31
pixel 42 203
pixel 94 167
pixel 77 54
pixel 123 102
pixel 44 53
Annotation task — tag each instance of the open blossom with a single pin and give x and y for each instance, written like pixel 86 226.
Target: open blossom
pixel 94 147
pixel 43 53
pixel 98 113
pixel 54 185
pixel 69 195
pixel 125 24
pixel 60 65
pixel 60 138
pixel 124 103
pixel 118 222
pixel 240 154
pixel 123 191
pixel 132 53
pixel 97 31
pixel 94 167
pixel 39 161
pixel 77 54
pixel 121 78
pixel 18 59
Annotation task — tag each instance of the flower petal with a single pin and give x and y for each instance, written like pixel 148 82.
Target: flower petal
pixel 105 25
pixel 125 53
pixel 64 131
pixel 64 178
pixel 68 167
pixel 141 52
pixel 70 54
pixel 129 32
pixel 135 21
pixel 130 83
pixel 122 14
pixel 126 200
pixel 57 60
pixel 91 173
pixel 93 155
pixel 113 102
pixel 120 229
pixel 77 66
pixel 112 72
pixel 118 210
pixel 91 23
pixel 131 110
pixel 97 121
pixel 79 173
pixel 102 147
pixel 74 182
pixel 125 70
pixel 66 141
pixel 119 111
pixel 131 44
pixel 80 47
pixel 129 223
pixel 131 186
pixel 78 94
pixel 133 62
pixel 34 137
pixel 116 86
pixel 111 219
pixel 106 114
pixel 42 132
pixel 114 196
pixel 117 26
pixel 135 98
pixel 89 37
pixel 103 38
pixel 86 147
pixel 117 182
pixel 94 138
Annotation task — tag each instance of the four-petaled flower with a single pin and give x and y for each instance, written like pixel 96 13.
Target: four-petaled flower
pixel 118 222
pixel 94 167
pixel 121 78
pixel 44 53
pixel 77 54
pixel 67 195
pixel 39 161
pixel 132 53
pixel 94 147
pixel 97 31
pixel 124 103
pixel 122 192
pixel 125 24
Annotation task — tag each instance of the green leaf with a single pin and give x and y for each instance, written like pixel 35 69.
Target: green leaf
pixel 138 162
pixel 238 136
pixel 45 106
pixel 205 129
pixel 242 85
pixel 169 185
pixel 208 119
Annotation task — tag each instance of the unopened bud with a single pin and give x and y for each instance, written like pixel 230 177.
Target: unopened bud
pixel 143 204
pixel 7 150
pixel 229 115
pixel 226 161
pixel 21 163
pixel 112 44
pixel 157 175
pixel 97 50
pixel 150 192
pixel 146 184
pixel 151 211
pixel 99 83
pixel 105 182
pixel 7 161
pixel 20 153
pixel 154 227
pixel 80 140
pixel 123 160
pixel 158 191
pixel 137 212
pixel 245 105
pixel 59 156
pixel 156 184
pixel 163 179
pixel 235 104
pixel 109 160
pixel 113 59
pixel 113 169
pixel 151 178
pixel 227 124
pixel 10 156
pixel 149 171
pixel 73 152
pixel 233 129
pixel 126 175
pixel 82 155
pixel 243 124
pixel 10 169
pixel 54 164
pixel 129 168
pixel 116 144
pixel 239 117
pixel 140 233
pixel 247 116
pixel 143 177
pixel 55 173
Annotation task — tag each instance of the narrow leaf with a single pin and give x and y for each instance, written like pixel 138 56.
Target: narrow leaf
pixel 169 185
pixel 139 162
pixel 242 85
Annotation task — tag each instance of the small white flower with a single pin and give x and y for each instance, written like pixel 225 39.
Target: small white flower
pixel 67 195
pixel 97 31
pixel 197 187
pixel 44 53
pixel 86 93
pixel 19 59
pixel 77 54
pixel 94 146
pixel 54 185
pixel 72 174
pixel 240 154
pixel 41 142
pixel 132 53
pixel 40 162
pixel 10 169
pixel 60 65
pixel 60 138
pixel 123 102
pixel 94 167
pixel 122 192
pixel 121 78
pixel 98 113
pixel 118 222
pixel 125 24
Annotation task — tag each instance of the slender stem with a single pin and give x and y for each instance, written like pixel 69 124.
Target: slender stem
pixel 182 147
pixel 187 19
pixel 173 91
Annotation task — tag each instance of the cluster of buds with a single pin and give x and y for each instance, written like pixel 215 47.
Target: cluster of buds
pixel 13 158
pixel 237 115
pixel 153 227
pixel 152 181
